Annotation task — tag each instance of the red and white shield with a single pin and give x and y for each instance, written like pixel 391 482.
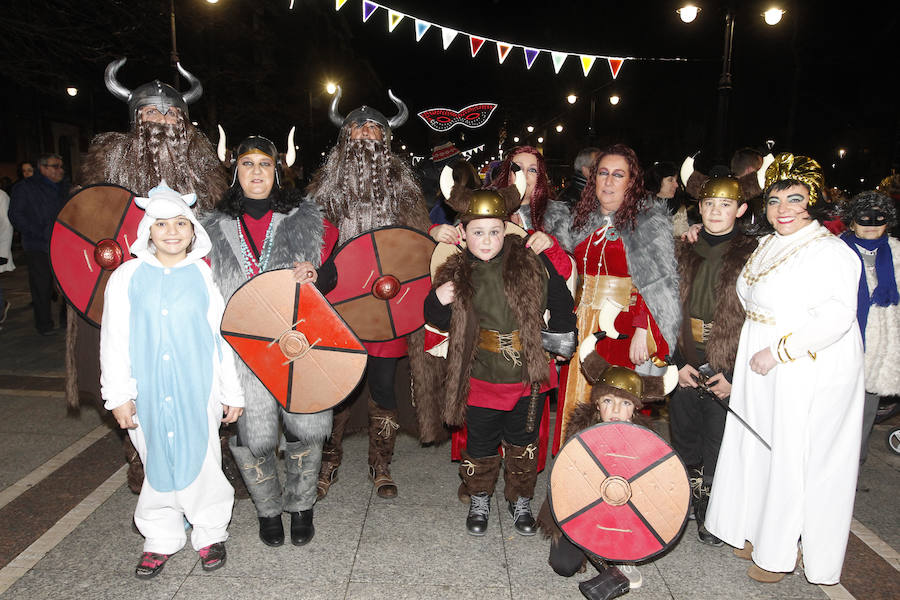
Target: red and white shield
pixel 293 341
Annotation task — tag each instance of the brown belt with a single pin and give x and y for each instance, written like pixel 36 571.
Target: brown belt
pixel 496 342
pixel 700 330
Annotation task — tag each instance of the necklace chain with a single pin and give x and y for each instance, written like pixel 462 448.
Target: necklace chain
pixel 250 261
pixel 779 258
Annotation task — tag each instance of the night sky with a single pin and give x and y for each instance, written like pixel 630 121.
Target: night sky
pixel 818 81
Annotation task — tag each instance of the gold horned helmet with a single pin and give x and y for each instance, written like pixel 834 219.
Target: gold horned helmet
pixel 723 186
pixel 482 204
pixel 799 168
pixel 621 381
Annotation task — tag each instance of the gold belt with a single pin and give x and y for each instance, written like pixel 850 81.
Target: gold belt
pixel 496 342
pixel 760 318
pixel 700 330
pixel 617 289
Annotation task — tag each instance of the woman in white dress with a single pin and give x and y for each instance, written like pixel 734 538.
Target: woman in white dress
pixel 798 382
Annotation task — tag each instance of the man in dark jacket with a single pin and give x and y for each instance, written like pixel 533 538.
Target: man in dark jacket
pixel 33 207
pixel 583 161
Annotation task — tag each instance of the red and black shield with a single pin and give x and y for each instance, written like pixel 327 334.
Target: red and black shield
pixel 92 236
pixel 293 341
pixel 619 491
pixel 383 279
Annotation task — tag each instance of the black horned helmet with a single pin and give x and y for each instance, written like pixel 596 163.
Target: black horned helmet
pixel 257 143
pixel 367 113
pixel 156 93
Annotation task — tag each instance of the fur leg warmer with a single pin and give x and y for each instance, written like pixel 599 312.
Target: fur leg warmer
pixel 261 477
pixel 479 475
pixel 301 464
pixel 519 471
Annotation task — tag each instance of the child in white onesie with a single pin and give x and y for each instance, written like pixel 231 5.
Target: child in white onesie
pixel 168 378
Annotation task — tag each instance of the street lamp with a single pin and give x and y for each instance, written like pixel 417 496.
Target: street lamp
pixel 540 140
pixel 72 91
pixel 688 13
pixel 559 128
pixel 842 152
pixel 516 139
pixel 614 99
pixel 331 87
pixel 530 128
pixel 772 16
pixel 571 98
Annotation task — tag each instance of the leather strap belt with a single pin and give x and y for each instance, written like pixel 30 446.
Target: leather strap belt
pixel 498 343
pixel 700 330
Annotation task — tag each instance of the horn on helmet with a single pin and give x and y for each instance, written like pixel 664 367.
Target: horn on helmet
pixel 291 155
pixel 193 94
pixel 112 84
pixel 446 181
pixel 333 113
pixel 402 112
pixel 222 148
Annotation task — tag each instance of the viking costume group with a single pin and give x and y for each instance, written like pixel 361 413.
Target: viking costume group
pixel 766 338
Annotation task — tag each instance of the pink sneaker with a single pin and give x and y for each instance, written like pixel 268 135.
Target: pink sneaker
pixel 150 566
pixel 213 556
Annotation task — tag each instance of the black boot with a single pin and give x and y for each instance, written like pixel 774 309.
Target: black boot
pixel 302 530
pixel 271 531
pixel 479 475
pixel 610 583
pixel 702 534
pixel 479 509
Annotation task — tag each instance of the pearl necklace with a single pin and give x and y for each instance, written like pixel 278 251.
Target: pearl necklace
pixel 249 260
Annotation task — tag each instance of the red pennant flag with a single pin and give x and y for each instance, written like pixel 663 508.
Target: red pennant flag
pixel 614 65
pixel 475 44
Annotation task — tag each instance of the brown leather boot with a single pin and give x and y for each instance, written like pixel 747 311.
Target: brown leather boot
pixel 519 478
pixel 383 428
pixel 479 477
pixel 332 452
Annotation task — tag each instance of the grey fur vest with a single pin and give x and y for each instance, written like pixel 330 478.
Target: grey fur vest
pixel 297 236
pixel 649 251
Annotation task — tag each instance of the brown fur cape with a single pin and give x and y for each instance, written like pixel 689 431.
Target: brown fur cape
pixel 728 318
pixel 524 285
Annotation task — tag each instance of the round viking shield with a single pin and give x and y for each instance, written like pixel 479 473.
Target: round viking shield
pixel 92 236
pixel 383 279
pixel 619 491
pixel 293 341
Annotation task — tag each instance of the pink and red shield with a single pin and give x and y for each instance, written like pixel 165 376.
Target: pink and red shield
pixel 619 491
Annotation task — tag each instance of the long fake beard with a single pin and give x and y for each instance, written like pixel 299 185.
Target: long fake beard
pixel 165 156
pixel 355 188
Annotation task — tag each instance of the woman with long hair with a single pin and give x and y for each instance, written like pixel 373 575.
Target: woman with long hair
pixel 624 253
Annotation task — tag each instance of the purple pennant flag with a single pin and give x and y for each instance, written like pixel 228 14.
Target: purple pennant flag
pixel 530 55
pixel 368 9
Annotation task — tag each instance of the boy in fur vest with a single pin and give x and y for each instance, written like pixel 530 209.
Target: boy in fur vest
pixel 491 298
pixel 707 345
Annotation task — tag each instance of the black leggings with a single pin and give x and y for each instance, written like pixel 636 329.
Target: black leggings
pixel 381 373
pixel 565 557
pixel 488 427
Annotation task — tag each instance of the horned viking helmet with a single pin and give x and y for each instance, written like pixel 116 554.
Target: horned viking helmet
pixel 367 113
pixel 155 93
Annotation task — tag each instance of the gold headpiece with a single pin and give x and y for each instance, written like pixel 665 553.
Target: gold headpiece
pixel 623 379
pixel 486 204
pixel 801 168
pixel 724 186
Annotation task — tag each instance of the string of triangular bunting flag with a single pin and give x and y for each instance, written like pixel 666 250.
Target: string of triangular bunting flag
pixel 476 42
pixel 466 153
